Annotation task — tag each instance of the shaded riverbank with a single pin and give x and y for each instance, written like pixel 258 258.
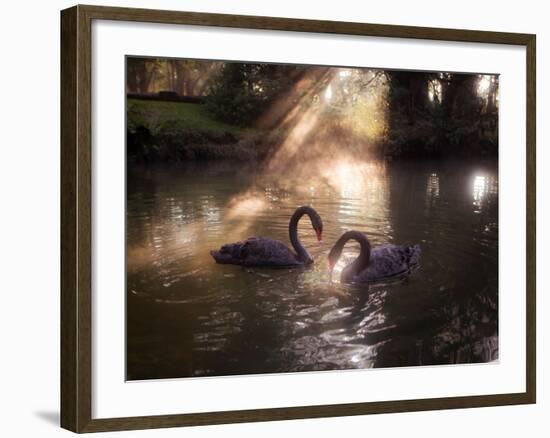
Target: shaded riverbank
pixel 164 131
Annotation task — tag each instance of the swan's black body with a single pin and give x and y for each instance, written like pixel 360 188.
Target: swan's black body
pixel 262 251
pixel 374 264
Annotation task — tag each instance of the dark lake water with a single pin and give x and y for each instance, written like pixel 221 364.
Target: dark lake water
pixel 187 316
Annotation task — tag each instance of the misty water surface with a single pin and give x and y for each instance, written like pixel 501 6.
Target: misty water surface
pixel 187 316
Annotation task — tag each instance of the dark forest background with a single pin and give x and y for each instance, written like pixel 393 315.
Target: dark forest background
pixel 180 110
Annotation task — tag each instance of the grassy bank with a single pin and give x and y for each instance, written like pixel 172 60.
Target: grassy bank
pixel 158 116
pixel 181 131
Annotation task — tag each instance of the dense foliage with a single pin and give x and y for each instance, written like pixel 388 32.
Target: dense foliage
pixel 394 113
pixel 240 92
pixel 440 114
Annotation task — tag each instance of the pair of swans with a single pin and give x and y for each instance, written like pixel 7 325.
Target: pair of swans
pixel 372 264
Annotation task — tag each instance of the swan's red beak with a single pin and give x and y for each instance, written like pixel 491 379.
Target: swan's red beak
pixel 319 235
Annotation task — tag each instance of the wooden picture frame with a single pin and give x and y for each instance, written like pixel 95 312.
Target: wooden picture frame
pixel 76 218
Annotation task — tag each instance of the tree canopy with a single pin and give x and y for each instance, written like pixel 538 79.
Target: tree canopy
pixel 396 113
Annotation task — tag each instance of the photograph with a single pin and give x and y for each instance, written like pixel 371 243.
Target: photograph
pixel 285 218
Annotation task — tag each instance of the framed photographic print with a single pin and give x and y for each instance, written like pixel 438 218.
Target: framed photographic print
pixel 268 218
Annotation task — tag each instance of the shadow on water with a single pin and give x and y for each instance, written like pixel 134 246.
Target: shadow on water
pixel 187 316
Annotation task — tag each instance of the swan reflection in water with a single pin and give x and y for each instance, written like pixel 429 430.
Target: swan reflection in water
pixel 187 316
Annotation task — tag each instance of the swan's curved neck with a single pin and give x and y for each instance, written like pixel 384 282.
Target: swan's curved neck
pixel 362 261
pixel 302 253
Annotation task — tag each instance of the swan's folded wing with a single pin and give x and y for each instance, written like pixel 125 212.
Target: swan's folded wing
pixel 230 253
pixel 256 251
pixel 389 261
pixel 262 251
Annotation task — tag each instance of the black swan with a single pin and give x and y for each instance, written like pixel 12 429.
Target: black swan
pixel 262 251
pixel 374 264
